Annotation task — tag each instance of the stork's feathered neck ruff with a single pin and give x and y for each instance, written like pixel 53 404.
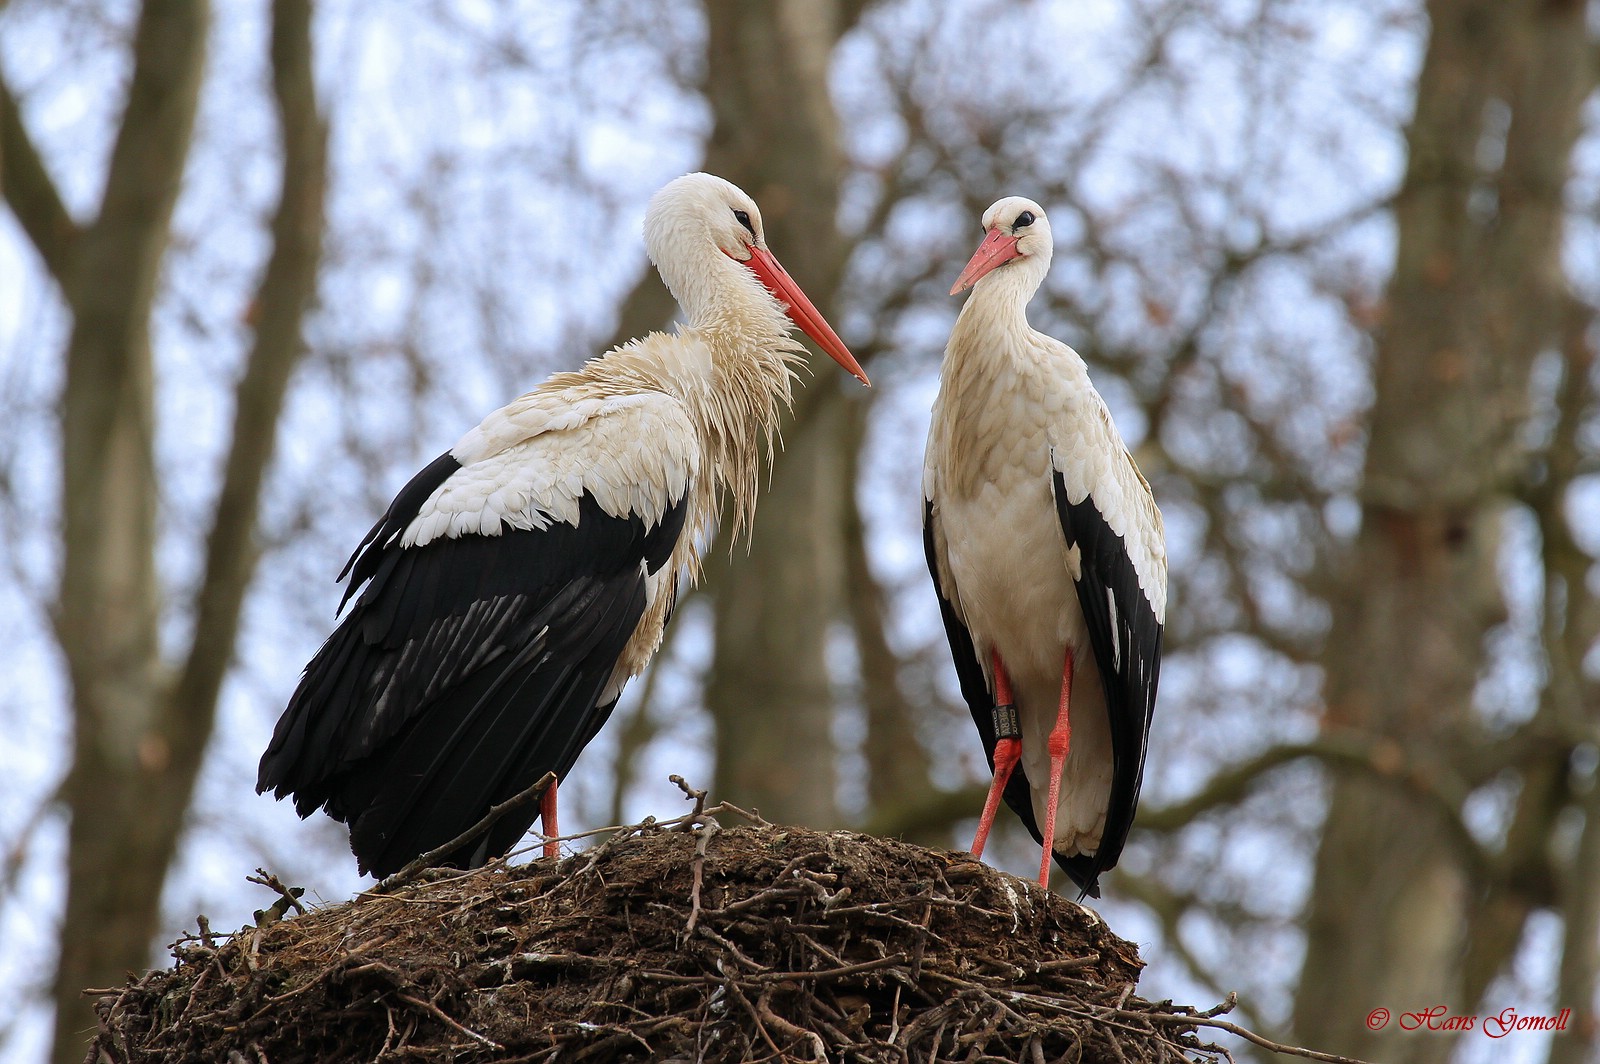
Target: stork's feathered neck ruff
pixel 734 358
pixel 732 366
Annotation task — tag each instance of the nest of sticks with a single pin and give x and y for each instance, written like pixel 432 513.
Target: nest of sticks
pixel 715 937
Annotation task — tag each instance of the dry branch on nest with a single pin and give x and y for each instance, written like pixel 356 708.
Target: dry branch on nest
pixel 678 941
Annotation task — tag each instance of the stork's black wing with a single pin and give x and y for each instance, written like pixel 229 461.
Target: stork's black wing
pixel 467 668
pixel 980 703
pixel 1127 649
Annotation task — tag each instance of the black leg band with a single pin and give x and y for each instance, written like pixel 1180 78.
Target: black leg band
pixel 1006 723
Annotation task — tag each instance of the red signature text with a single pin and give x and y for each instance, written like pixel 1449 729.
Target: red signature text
pixel 1498 1025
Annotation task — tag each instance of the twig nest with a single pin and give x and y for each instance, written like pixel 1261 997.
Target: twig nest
pixel 714 943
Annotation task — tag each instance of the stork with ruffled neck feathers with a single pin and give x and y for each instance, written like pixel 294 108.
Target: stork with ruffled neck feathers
pixel 517 583
pixel 1049 559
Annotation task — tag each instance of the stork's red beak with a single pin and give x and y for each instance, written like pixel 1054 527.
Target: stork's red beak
pixel 997 249
pixel 800 310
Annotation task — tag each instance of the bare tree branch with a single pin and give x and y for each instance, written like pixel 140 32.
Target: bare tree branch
pixel 285 292
pixel 1432 779
pixel 32 193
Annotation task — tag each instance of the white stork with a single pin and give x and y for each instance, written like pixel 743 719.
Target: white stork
pixel 516 584
pixel 1049 559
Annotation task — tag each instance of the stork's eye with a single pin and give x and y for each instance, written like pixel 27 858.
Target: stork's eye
pixel 1024 220
pixel 743 218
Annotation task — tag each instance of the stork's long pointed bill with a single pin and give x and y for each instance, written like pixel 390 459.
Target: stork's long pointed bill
pixel 997 249
pixel 801 311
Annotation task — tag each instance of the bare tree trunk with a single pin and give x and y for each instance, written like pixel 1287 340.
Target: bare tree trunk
pixel 125 762
pixel 776 135
pixel 141 724
pixel 1475 295
pixel 899 780
pixel 769 691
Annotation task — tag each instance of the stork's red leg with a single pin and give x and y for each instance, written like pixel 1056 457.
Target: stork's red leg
pixel 547 820
pixel 1007 751
pixel 1060 743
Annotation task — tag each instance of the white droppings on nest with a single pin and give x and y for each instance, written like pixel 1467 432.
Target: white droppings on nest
pixel 1016 914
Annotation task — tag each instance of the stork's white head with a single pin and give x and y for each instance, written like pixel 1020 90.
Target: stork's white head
pixel 1017 237
pixel 696 228
pixel 696 212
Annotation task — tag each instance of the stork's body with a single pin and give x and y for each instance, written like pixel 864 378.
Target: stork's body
pixel 516 584
pixel 1048 554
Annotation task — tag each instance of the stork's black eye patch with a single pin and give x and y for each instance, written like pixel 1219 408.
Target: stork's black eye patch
pixel 743 218
pixel 1024 220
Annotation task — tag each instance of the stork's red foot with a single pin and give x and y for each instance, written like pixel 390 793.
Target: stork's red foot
pixel 1007 752
pixel 547 821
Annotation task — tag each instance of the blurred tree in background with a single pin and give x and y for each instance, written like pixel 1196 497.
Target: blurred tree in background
pixel 1407 903
pixel 1334 264
pixel 142 716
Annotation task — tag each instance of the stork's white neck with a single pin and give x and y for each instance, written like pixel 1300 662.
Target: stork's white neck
pixel 992 330
pixel 997 309
pixel 1002 295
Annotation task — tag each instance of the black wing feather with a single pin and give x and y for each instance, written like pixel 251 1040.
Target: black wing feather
pixel 466 669
pixel 371 556
pixel 1127 650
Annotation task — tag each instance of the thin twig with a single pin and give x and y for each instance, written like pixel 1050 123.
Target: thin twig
pixel 698 864
pixel 439 1014
pixel 650 824
pixel 819 1049
pixel 288 897
pixel 698 797
pixel 1200 1020
pixel 831 973
pixel 738 995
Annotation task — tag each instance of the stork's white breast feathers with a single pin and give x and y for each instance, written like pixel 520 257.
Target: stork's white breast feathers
pixel 530 462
